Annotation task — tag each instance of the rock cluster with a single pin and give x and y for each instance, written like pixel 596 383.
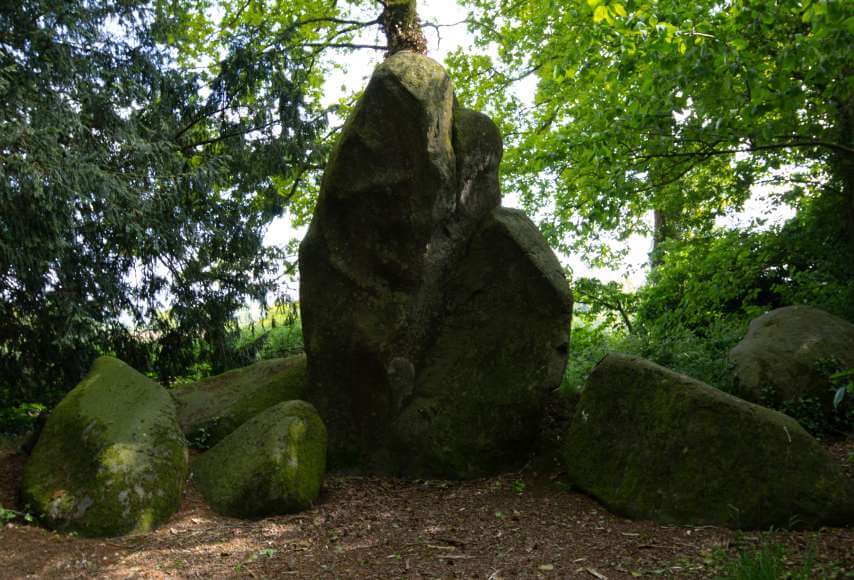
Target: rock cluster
pixel 435 321
pixel 112 458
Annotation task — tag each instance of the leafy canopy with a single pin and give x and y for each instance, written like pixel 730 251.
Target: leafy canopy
pixel 663 105
pixel 134 185
pixel 146 145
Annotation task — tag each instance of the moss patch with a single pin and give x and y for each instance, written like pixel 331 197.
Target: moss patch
pixel 651 443
pixel 479 396
pixel 272 464
pixel 210 409
pixel 111 459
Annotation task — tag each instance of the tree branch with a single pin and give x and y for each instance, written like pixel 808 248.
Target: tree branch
pixel 438 26
pixel 330 20
pixel 224 136
pixel 348 45
pixel 838 147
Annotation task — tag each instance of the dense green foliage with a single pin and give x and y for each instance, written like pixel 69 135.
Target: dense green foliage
pixel 132 186
pixel 668 106
pixel 658 118
pixel 698 301
pixel 278 334
pixel 697 304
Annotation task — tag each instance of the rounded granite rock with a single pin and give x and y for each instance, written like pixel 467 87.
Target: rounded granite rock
pixel 111 459
pixel 654 444
pixel 272 464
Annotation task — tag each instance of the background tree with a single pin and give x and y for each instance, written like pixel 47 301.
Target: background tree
pixel 146 145
pixel 132 186
pixel 657 117
pixel 669 106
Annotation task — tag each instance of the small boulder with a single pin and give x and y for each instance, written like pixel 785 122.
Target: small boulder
pixel 111 458
pixel 210 409
pixel 272 464
pixel 789 353
pixel 651 443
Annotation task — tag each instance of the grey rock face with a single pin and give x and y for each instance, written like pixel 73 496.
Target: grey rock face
pixel 434 320
pixel 651 443
pixel 788 353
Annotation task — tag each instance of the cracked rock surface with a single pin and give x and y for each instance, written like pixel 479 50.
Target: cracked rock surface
pixel 435 320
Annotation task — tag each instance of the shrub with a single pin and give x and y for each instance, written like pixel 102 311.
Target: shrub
pixel 21 418
pixel 699 353
pixel 590 342
pixel 769 562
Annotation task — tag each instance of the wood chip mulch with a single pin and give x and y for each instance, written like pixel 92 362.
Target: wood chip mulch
pixel 519 525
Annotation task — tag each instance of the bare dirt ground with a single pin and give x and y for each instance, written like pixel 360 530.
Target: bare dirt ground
pixel 519 525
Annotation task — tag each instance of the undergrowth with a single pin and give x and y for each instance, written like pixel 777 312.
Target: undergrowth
pixel 278 334
pixel 769 562
pixel 700 354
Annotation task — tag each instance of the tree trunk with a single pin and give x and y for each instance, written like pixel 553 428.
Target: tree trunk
pixel 844 166
pixel 400 23
pixel 664 227
pixel 666 217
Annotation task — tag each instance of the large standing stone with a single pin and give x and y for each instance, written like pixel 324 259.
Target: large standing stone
pixel 789 353
pixel 210 409
pixel 272 464
pixel 434 320
pixel 651 443
pixel 111 459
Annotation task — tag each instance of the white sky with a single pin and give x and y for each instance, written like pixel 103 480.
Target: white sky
pixel 355 72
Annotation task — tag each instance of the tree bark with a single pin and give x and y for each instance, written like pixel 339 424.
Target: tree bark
pixel 844 166
pixel 399 20
pixel 665 227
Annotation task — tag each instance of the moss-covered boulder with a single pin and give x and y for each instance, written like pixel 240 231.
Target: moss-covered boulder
pixel 111 459
pixel 272 464
pixel 210 409
pixel 479 396
pixel 789 354
pixel 434 320
pixel 651 443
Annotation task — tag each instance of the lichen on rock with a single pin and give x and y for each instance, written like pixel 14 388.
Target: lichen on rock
pixel 111 459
